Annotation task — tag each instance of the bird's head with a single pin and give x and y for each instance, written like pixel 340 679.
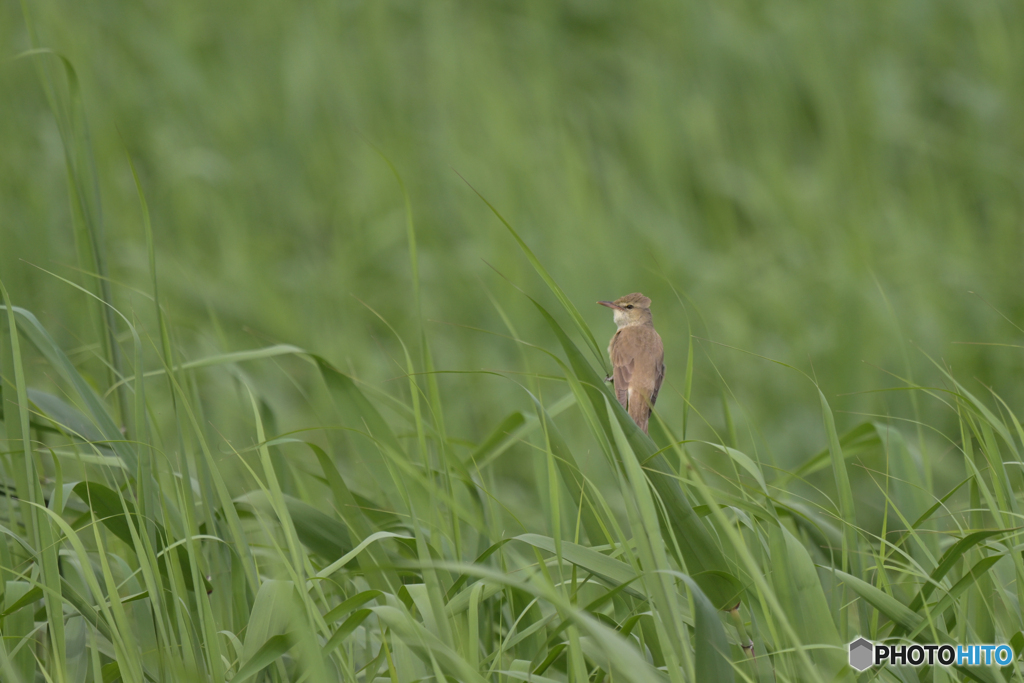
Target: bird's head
pixel 632 309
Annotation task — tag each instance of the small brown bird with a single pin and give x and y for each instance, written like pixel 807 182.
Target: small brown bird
pixel 637 355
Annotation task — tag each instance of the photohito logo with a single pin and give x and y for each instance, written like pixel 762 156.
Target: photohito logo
pixel 865 654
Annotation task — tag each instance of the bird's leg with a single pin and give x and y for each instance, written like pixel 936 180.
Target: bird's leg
pixel 609 379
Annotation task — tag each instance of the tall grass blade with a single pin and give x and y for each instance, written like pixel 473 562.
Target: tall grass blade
pixel 851 554
pixel 86 205
pixel 567 304
pixel 37 524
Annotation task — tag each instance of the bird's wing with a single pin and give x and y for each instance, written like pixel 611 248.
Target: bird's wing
pixel 622 374
pixel 657 383
pixel 660 370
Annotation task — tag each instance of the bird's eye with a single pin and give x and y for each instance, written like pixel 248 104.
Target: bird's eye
pixel 629 306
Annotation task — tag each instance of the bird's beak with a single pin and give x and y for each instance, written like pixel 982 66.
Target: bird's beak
pixel 609 304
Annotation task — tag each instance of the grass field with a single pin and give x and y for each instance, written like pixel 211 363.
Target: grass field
pixel 301 371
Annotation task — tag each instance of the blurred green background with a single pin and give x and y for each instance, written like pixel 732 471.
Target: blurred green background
pixel 836 185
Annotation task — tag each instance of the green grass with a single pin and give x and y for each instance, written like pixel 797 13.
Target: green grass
pixel 283 399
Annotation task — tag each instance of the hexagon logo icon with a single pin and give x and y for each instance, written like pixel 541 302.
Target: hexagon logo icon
pixel 862 654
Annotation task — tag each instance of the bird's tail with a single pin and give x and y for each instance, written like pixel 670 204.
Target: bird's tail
pixel 640 411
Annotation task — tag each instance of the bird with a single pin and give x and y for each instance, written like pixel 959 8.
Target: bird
pixel 637 355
